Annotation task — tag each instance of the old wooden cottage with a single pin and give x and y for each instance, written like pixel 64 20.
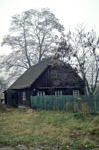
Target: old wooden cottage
pixel 49 77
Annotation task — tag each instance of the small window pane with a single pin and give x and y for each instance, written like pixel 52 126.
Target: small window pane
pixel 75 92
pixel 24 96
pixel 38 94
pixel 58 93
pixel 41 93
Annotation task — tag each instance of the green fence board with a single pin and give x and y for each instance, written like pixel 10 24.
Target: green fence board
pixel 68 103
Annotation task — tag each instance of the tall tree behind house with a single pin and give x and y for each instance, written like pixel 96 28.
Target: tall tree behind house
pixel 33 36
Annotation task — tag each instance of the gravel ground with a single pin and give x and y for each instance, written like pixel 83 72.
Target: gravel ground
pixel 23 147
pixel 19 147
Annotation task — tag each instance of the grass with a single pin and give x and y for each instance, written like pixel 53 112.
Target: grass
pixel 49 129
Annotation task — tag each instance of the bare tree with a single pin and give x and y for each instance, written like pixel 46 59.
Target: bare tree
pixel 33 35
pixel 87 57
pixel 3 84
pixel 64 50
pixel 83 54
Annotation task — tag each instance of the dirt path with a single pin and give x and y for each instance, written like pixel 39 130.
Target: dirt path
pixel 19 147
pixel 23 147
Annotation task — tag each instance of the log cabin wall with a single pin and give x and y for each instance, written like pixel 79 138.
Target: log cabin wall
pixel 59 77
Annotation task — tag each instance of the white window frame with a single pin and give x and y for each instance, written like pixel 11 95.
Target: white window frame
pixel 76 92
pixel 58 93
pixel 40 93
pixel 24 96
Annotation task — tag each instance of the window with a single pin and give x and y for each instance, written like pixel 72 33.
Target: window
pixel 41 93
pixel 75 92
pixel 58 93
pixel 24 96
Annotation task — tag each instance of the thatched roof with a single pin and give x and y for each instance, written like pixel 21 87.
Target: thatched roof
pixel 33 73
pixel 30 75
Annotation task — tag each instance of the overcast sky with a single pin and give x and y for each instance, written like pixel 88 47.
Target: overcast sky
pixel 69 12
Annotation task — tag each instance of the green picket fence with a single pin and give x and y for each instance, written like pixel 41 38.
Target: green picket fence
pixel 68 103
